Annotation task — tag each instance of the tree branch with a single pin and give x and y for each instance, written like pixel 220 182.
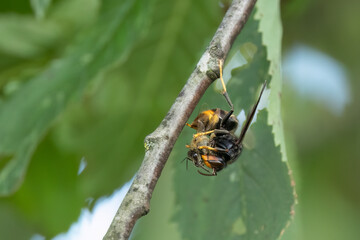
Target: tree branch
pixel 159 144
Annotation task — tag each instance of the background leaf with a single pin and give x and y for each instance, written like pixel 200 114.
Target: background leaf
pixel 53 170
pixel 41 99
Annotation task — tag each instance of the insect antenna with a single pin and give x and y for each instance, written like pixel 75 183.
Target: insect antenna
pixel 187 160
pixel 250 116
pixel 205 174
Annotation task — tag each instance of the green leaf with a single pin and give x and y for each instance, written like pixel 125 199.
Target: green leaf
pixel 253 197
pixel 51 189
pixel 27 114
pixel 23 58
pixel 268 13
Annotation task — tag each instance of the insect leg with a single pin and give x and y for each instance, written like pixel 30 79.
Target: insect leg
pixel 208 174
pixel 220 164
pixel 205 174
pixel 203 133
pixel 189 125
pixel 226 95
pixel 213 149
pixel 212 131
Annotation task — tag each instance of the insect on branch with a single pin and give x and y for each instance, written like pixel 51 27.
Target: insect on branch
pixel 159 144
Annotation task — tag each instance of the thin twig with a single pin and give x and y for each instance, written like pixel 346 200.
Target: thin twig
pixel 159 144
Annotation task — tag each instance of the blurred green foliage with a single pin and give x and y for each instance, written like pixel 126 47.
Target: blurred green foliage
pixel 45 96
pixel 323 148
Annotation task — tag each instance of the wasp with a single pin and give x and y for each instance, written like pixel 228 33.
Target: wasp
pixel 215 144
